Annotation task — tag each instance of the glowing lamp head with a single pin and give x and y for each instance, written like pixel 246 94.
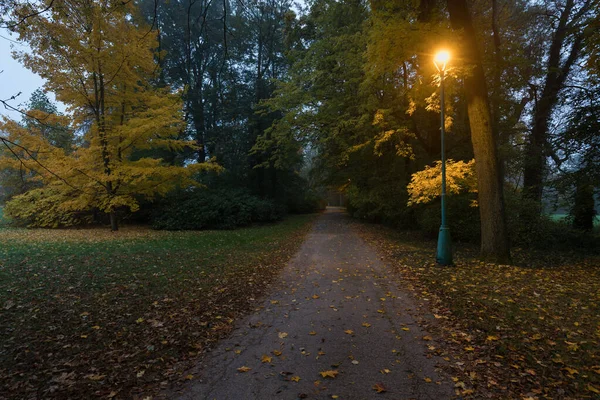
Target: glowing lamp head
pixel 441 59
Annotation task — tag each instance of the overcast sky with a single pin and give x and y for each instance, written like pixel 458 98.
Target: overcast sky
pixel 14 77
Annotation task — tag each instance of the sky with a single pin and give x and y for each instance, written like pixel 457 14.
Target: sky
pixel 15 78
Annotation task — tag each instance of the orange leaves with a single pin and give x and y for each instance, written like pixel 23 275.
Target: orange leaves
pixel 244 369
pixel 379 388
pixel 349 332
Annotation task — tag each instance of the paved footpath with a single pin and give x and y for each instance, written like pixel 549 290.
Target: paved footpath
pixel 336 310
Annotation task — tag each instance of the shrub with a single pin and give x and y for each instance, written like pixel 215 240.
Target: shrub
pixel 463 219
pixel 214 209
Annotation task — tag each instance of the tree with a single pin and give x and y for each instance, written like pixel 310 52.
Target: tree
pixel 494 236
pixel 99 63
pixel 569 31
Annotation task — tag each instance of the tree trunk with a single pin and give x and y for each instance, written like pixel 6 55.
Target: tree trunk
pixel 114 225
pixel 494 238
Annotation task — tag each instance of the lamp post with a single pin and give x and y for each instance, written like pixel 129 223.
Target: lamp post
pixel 444 245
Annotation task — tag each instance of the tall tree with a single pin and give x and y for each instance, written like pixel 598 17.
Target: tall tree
pixel 99 63
pixel 570 20
pixel 494 237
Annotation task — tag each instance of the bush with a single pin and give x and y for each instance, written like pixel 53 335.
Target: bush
pixel 381 204
pixel 541 231
pixel 214 209
pixel 463 219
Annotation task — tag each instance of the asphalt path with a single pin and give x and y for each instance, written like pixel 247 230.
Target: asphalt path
pixel 337 311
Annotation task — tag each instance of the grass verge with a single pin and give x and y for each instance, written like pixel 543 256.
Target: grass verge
pixel 90 313
pixel 530 331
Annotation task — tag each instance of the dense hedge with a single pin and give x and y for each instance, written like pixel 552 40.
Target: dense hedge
pixel 214 209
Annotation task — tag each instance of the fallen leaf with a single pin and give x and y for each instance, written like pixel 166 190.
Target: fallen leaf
pixel 95 377
pixel 276 352
pixel 592 388
pixel 295 379
pixel 243 369
pixel 266 359
pixel 366 324
pixel 428 380
pixel 312 333
pixel 349 332
pixel 379 388
pixel 329 374
pixel 282 335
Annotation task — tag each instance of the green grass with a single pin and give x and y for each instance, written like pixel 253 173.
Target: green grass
pixel 87 312
pixel 563 217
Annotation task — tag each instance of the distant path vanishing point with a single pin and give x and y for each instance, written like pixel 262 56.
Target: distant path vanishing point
pixel 335 310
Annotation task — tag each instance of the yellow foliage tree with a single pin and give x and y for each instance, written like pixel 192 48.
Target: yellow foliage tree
pixel 99 63
pixel 426 185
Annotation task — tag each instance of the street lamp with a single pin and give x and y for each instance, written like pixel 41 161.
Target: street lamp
pixel 444 245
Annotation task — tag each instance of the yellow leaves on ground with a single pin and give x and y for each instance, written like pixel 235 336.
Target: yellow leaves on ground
pixel 315 296
pixel 266 359
pixel 276 353
pixel 282 335
pixel 295 379
pixel 312 333
pixel 426 379
pixel 592 388
pixel 530 328
pixel 349 332
pixel 406 329
pixel 329 374
pixel 366 324
pixel 244 369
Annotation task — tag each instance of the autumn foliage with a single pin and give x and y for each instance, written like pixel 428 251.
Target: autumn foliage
pixel 425 185
pixel 100 63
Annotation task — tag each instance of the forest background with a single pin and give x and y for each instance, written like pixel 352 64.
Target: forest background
pixel 206 114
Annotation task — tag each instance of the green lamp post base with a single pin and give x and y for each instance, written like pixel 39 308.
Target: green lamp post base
pixel 444 247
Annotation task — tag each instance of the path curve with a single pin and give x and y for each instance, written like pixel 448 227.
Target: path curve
pixel 337 310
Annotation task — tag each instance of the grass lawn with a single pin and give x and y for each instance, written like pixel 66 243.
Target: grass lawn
pixel 509 332
pixel 90 313
pixel 562 217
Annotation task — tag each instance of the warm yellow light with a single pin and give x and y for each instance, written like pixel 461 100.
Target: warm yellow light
pixel 441 59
